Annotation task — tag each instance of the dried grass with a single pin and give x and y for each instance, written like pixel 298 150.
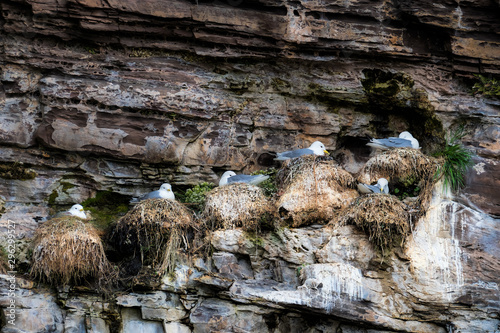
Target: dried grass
pixel 313 189
pixel 155 229
pixel 384 217
pixel 399 165
pixel 237 205
pixel 68 250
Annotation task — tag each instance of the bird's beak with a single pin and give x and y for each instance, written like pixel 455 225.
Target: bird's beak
pixel 81 210
pixel 168 190
pixel 326 152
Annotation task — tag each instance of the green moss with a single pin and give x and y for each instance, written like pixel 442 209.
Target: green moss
pixel 269 185
pixel 391 93
pixel 254 238
pixel 106 207
pixel 486 86
pixel 17 171
pixel 387 84
pixel 52 198
pixel 195 196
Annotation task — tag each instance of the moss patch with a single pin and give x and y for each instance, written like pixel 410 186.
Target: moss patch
pixel 391 93
pixel 106 207
pixel 16 170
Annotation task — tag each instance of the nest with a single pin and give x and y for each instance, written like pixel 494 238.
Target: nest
pixel 384 217
pixel 237 205
pixel 401 165
pixel 313 189
pixel 155 229
pixel 68 250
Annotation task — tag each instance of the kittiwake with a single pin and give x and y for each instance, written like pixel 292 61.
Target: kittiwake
pixel 381 187
pixel 230 177
pixel 317 148
pixel 76 210
pixel 165 192
pixel 405 140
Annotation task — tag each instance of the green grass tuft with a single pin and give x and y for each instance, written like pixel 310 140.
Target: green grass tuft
pixel 269 185
pixel 195 196
pixel 489 87
pixel 457 160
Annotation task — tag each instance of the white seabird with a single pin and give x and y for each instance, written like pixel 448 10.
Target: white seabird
pixel 405 140
pixel 230 177
pixel 165 192
pixel 77 210
pixel 382 186
pixel 317 148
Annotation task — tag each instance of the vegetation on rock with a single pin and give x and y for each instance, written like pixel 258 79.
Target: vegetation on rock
pixel 105 207
pixel 16 170
pixel 195 197
pixel 487 86
pixel 457 160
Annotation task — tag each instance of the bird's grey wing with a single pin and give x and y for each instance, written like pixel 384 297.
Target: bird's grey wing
pixel 365 188
pixel 151 195
pixel 254 180
pixel 389 143
pixel 294 153
pixel 61 214
pixel 240 179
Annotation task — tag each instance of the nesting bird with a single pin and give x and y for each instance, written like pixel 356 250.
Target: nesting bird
pixel 77 210
pixel 317 148
pixel 382 186
pixel 165 192
pixel 405 140
pixel 230 177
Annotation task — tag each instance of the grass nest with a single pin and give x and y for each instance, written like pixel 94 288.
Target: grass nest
pixel 156 230
pixel 313 189
pixel 237 205
pixel 68 250
pixel 402 167
pixel 384 217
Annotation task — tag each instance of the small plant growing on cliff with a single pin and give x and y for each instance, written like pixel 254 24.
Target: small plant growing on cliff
pixel 269 185
pixel 489 87
pixel 195 196
pixel 457 159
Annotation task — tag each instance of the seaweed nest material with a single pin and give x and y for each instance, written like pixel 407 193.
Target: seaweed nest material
pixel 237 205
pixel 68 250
pixel 384 218
pixel 156 230
pixel 313 189
pixel 401 167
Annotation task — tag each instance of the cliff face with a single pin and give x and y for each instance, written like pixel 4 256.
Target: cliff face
pixel 125 95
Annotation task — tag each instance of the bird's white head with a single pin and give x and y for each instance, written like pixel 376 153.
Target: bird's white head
pixel 77 210
pixel 225 177
pixel 405 135
pixel 383 184
pixel 319 148
pixel 166 187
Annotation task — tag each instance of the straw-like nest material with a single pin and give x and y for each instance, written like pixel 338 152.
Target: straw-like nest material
pixel 155 229
pixel 384 217
pixel 236 205
pixel 401 164
pixel 398 163
pixel 313 188
pixel 68 250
